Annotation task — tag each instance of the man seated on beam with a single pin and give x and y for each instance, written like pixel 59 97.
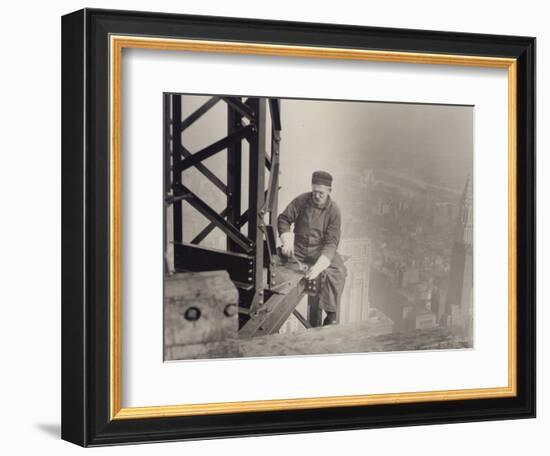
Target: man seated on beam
pixel 317 228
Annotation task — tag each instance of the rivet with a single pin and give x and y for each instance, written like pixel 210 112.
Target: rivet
pixel 192 314
pixel 230 310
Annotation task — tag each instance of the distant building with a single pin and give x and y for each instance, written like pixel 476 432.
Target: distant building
pixel 424 320
pixel 443 213
pixel 458 312
pixel 389 298
pixel 357 254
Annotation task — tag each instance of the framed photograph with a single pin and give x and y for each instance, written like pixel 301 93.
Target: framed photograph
pixel 278 227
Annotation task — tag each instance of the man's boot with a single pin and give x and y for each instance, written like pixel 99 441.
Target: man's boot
pixel 330 319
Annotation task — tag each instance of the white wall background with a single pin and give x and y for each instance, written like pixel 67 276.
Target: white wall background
pixel 30 229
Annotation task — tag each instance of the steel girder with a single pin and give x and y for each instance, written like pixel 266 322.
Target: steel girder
pixel 246 121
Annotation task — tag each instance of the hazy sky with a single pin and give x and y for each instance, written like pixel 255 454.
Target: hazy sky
pixel 429 142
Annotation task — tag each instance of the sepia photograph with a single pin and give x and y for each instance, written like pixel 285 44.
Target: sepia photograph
pixel 268 226
pixel 315 227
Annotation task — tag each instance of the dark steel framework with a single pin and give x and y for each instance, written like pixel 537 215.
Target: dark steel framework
pixel 249 257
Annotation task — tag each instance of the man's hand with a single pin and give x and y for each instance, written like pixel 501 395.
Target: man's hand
pixel 320 265
pixel 288 244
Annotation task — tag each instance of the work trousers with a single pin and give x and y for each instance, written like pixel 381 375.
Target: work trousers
pixel 330 294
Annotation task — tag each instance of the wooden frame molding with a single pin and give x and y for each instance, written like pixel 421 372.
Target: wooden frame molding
pixel 117 45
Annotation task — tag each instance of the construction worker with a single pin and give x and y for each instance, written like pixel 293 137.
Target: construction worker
pixel 317 226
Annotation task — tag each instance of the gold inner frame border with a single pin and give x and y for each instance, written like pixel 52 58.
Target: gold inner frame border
pixel 116 46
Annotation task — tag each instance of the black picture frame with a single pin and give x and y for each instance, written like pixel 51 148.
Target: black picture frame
pixel 86 355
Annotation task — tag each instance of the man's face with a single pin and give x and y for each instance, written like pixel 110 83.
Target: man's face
pixel 320 194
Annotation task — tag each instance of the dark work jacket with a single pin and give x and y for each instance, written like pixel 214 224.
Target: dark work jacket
pixel 316 230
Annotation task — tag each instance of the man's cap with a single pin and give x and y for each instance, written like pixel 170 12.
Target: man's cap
pixel 321 178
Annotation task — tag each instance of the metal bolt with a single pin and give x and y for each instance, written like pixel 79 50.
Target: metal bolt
pixel 230 310
pixel 192 314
